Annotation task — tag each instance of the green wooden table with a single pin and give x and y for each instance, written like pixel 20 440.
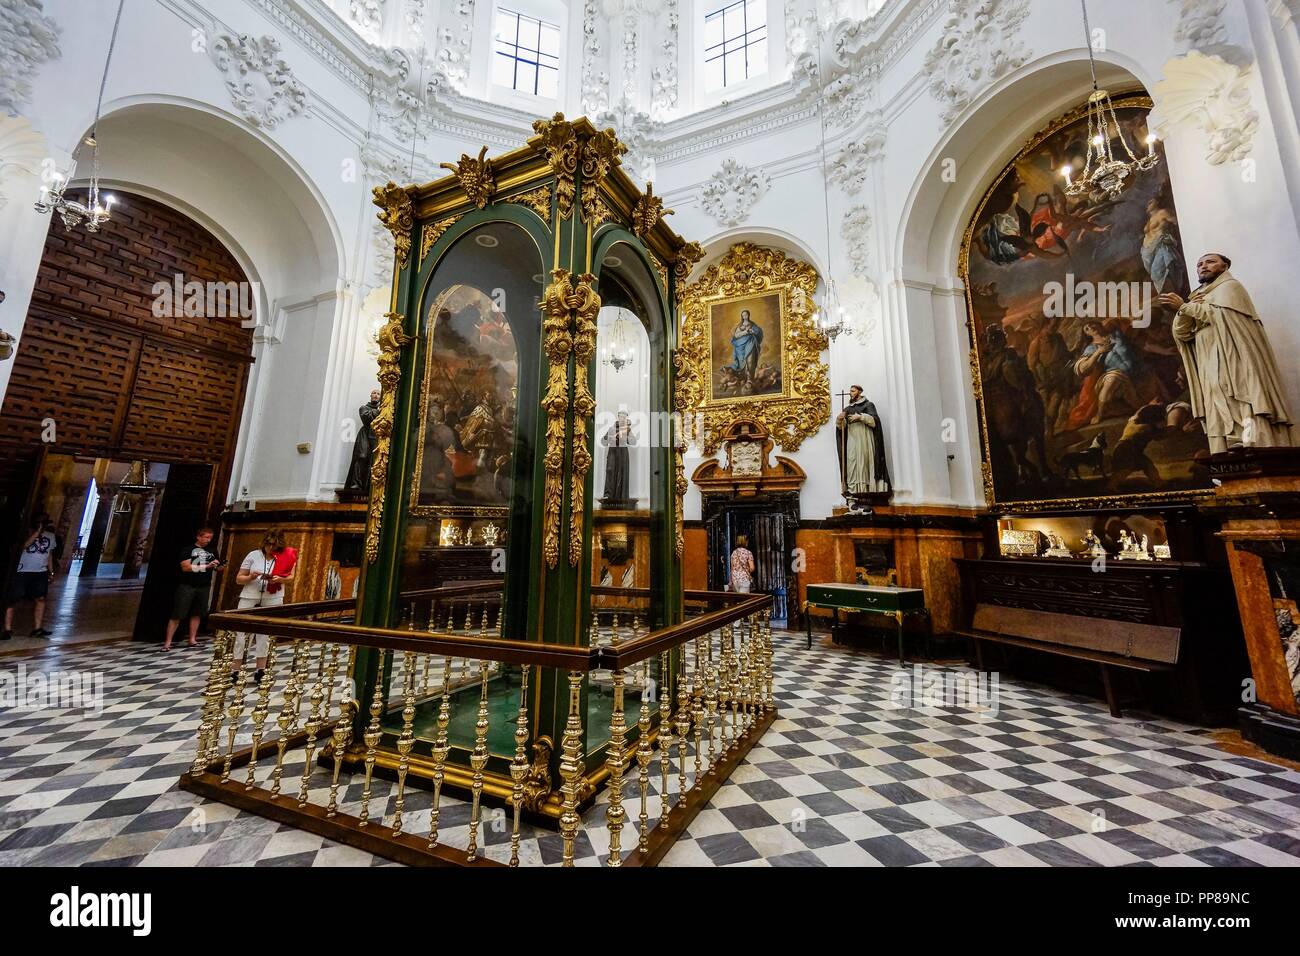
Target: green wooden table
pixel 866 599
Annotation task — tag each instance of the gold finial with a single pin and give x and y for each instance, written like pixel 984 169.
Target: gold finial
pixel 475 177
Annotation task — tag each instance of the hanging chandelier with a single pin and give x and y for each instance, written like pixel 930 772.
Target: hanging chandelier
pixel 96 209
pixel 830 317
pixel 619 352
pixel 1105 172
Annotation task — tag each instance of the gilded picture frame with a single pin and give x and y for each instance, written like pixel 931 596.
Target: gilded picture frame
pixel 749 348
pixel 984 285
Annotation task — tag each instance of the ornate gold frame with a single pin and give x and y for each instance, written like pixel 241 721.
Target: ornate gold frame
pixel 1127 100
pixel 804 404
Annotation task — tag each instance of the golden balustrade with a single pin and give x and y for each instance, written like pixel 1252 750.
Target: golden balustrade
pixel 657 716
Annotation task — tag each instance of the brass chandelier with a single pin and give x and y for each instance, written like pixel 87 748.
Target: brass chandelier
pixel 1104 173
pixel 96 210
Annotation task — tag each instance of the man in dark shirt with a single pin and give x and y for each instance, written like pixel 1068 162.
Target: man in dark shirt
pixel 197 565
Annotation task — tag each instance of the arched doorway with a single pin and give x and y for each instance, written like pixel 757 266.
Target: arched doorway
pixel 123 410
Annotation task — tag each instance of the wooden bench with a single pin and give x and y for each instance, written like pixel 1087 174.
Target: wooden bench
pixel 1141 648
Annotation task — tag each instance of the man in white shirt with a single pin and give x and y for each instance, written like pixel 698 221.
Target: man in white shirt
pixel 37 563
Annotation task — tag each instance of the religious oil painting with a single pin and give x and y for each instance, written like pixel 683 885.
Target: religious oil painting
pixel 1081 389
pixel 750 348
pixel 746 344
pixel 467 432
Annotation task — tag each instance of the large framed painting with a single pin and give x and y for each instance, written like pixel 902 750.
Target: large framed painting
pixel 749 348
pixel 1081 392
pixel 467 408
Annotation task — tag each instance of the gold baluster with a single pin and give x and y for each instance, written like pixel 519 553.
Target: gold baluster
pixel 724 687
pixel 315 718
pixel 519 767
pixel 290 709
pixel 441 747
pixel 260 712
pixel 742 677
pixel 332 669
pixel 697 704
pixel 214 692
pixel 644 753
pixel 373 734
pixel 234 716
pixel 733 686
pixel 478 758
pixel 615 815
pixel 571 767
pixel 767 659
pixel 665 738
pixel 710 699
pixel 342 736
pixel 227 686
pixel 407 739
pixel 683 724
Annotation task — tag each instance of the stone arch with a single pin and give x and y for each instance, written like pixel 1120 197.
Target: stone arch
pixel 931 350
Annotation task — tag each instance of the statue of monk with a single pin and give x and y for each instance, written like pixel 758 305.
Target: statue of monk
pixel 1232 376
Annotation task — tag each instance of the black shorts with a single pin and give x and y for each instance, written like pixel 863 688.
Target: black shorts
pixel 29 585
pixel 189 602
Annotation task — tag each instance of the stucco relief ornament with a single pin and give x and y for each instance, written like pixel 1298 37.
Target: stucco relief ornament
pixel 856 232
pixel 635 129
pixel 731 192
pixel 1212 95
pixel 980 44
pixel 261 85
pixel 1200 23
pixel 367 16
pixel 848 169
pixel 21 151
pixel 843 99
pixel 28 38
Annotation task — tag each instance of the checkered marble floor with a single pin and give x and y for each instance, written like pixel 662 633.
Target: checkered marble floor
pixel 846 776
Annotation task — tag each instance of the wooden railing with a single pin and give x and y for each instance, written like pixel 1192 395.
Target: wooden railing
pixel 701 695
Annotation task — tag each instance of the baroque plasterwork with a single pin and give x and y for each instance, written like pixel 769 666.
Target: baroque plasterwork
pixel 1213 96
pixel 855 230
pixel 28 38
pixel 849 167
pixel 980 44
pixel 261 84
pixel 732 191
pixel 1200 23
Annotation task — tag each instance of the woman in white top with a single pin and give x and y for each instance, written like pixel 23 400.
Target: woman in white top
pixel 262 587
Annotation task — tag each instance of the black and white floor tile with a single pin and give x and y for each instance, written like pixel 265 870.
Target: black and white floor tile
pixel 845 777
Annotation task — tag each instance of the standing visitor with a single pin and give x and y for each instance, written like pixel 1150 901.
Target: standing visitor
pixel 263 574
pixel 194 589
pixel 742 566
pixel 37 564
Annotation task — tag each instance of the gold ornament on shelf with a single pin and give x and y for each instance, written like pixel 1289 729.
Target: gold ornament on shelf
pixel 475 176
pixel 649 209
pixel 687 257
pixel 600 152
pixel 397 216
pixel 560 143
pixel 538 200
pixel 793 401
pixel 586 307
pixel 557 343
pixel 392 339
pixel 433 232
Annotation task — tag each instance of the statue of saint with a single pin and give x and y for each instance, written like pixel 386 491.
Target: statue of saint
pixel 618 438
pixel 363 449
pixel 861 442
pixel 1232 376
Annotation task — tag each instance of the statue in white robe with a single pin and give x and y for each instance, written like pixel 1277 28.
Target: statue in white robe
pixel 1232 375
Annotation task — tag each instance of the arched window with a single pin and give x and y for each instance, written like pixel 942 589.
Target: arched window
pixel 735 42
